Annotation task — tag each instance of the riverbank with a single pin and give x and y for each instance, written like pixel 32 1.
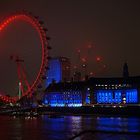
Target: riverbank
pixel 87 110
pixel 133 111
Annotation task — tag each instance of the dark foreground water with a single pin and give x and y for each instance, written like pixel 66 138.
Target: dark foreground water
pixel 44 128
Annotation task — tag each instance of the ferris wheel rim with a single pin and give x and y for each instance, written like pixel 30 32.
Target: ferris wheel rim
pixel 44 47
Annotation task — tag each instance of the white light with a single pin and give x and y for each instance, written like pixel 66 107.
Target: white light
pixel 88 88
pixel 124 102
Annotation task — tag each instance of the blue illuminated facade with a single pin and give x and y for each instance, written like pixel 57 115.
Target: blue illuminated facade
pixel 117 96
pixel 61 99
pixel 105 96
pixel 54 72
pixel 96 91
pixel 131 96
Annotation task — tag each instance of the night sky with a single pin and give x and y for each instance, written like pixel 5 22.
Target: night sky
pixel 110 27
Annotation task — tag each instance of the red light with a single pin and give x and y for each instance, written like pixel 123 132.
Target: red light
pixel 91 73
pixel 104 66
pixel 78 50
pixel 83 59
pixel 89 46
pixel 10 19
pixel 2 25
pixel 75 67
pixel 7 21
pixel 98 59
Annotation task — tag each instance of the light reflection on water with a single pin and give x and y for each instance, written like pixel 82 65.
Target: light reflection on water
pixel 119 124
pixel 44 128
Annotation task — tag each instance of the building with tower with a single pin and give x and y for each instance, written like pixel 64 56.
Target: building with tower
pixel 115 91
pixel 95 91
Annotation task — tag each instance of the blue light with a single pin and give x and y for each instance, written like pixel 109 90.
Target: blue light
pixel 118 97
pixel 131 96
pixel 109 96
pixel 61 99
pixel 115 96
pixel 54 72
pixel 87 97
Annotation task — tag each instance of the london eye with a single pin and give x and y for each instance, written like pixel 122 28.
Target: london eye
pixel 26 87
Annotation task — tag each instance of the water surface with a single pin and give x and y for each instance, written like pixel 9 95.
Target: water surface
pixel 45 128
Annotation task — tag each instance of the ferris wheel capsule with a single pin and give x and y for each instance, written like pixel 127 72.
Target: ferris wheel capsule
pixel 37 17
pixel 45 29
pixel 41 22
pixel 48 38
pixel 49 47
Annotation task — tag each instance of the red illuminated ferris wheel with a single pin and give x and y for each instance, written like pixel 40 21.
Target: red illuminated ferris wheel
pixel 23 82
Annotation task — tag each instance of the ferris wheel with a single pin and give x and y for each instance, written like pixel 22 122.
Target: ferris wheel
pixel 26 88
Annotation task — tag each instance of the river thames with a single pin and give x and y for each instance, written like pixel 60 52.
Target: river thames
pixel 65 127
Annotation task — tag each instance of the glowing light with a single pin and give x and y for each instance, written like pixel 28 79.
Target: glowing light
pixel 115 96
pixel 98 58
pixel 67 67
pixel 89 46
pixel 107 96
pixel 61 99
pixel 88 88
pixel 78 50
pixel 131 96
pixel 75 67
pixel 83 59
pixel 91 73
pixel 104 66
pixel 2 25
pixel 55 71
pixel 84 65
pixel 124 102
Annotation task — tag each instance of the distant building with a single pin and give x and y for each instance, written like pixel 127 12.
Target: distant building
pixel 96 91
pixel 66 68
pixel 115 91
pixel 59 70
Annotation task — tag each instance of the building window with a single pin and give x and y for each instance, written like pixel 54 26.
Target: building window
pixel 131 96
pixel 109 96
